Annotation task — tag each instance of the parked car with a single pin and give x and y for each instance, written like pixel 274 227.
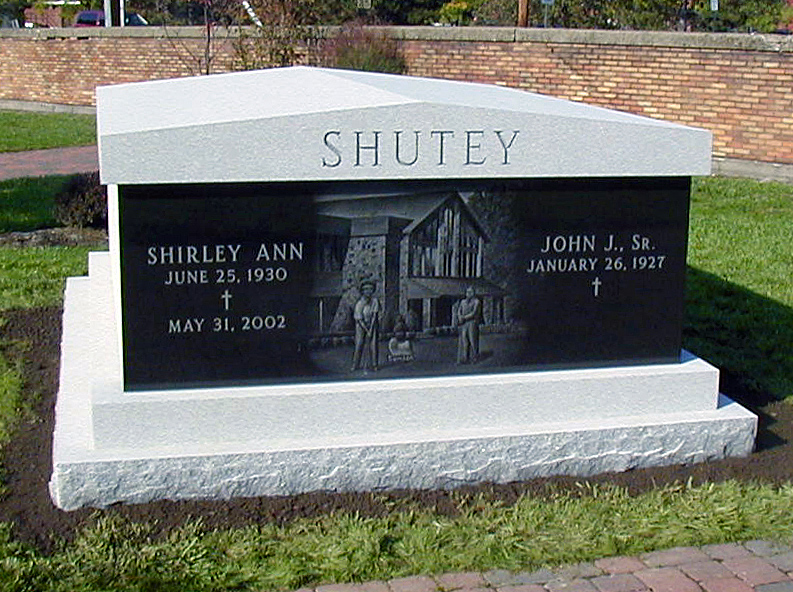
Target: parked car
pixel 96 18
pixel 133 19
pixel 90 18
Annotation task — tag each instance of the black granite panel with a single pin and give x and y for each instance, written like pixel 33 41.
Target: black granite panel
pixel 271 283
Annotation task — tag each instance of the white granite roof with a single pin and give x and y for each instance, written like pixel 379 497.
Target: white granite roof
pixel 272 124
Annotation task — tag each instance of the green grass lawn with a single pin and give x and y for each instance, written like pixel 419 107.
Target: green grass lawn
pixel 739 317
pixel 742 231
pixel 739 307
pixel 35 131
pixel 10 398
pixel 116 554
pixel 35 276
pixel 28 203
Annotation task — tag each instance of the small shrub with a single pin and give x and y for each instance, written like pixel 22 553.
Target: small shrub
pixel 82 202
pixel 456 12
pixel 357 47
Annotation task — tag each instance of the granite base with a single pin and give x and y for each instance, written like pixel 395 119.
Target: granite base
pixel 111 446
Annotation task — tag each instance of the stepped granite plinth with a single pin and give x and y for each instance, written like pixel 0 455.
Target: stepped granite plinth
pixel 329 280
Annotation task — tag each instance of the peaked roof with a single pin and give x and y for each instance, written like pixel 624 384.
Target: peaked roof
pixel 300 90
pixel 275 125
pixel 413 207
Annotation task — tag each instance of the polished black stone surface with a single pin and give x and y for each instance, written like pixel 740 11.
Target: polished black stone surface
pixel 266 283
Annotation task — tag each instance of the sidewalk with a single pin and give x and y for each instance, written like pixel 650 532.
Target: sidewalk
pixel 57 161
pixel 755 566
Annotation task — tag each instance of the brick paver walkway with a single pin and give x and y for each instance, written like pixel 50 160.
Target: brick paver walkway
pixel 58 161
pixel 755 566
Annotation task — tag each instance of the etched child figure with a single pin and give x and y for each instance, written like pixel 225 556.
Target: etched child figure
pixel 400 349
pixel 367 317
pixel 469 315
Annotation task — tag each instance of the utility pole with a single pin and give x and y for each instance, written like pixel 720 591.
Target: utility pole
pixel 523 13
pixel 114 13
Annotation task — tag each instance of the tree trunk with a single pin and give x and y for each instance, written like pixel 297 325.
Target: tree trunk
pixel 523 13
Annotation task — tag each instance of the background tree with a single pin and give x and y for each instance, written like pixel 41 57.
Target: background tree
pixel 659 15
pixel 337 12
pixel 190 12
pixel 498 13
pixel 216 17
pixel 358 47
pixel 409 12
pixel 285 36
pixel 13 10
pixel 456 12
pixel 742 15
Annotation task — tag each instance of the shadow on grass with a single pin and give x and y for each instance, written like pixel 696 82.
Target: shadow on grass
pixel 28 203
pixel 747 336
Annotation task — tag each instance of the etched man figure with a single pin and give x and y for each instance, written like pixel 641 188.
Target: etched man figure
pixel 469 315
pixel 367 316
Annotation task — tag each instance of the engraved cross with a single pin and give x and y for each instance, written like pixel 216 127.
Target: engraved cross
pixel 596 286
pixel 226 297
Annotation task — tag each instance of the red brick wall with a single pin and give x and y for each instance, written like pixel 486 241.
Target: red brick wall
pixel 744 95
pixel 738 86
pixel 65 66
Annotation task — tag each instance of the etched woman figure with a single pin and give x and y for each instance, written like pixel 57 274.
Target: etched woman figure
pixel 367 316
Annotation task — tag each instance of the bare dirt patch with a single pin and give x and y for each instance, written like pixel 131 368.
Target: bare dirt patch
pixel 35 337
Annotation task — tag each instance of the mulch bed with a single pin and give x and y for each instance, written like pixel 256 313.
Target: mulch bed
pixel 58 237
pixel 34 336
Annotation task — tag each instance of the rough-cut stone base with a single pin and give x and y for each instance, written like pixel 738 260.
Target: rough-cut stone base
pixel 142 475
pixel 484 443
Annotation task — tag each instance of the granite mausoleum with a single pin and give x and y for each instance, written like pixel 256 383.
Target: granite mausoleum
pixel 384 282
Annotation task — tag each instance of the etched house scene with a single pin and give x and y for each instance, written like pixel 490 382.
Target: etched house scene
pixel 402 286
